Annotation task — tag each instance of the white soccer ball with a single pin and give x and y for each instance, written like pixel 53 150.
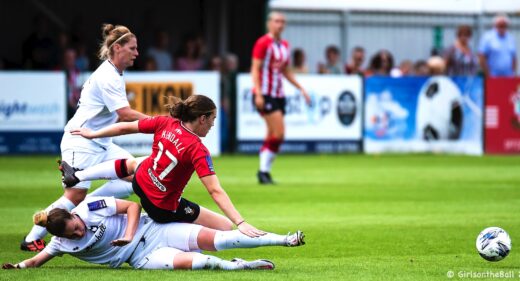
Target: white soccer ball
pixel 439 110
pixel 493 244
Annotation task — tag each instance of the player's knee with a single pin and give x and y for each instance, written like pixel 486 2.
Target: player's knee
pixel 131 165
pixel 225 225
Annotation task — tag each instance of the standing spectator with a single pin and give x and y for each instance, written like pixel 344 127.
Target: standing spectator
pixel 333 64
pixel 459 58
pixel 354 66
pixel 159 51
pixel 381 64
pixel 298 62
pixel 497 50
pixel 190 57
pixel 270 59
pixel 73 86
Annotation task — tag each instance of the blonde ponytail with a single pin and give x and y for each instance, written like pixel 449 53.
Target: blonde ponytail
pixel 40 218
pixel 118 34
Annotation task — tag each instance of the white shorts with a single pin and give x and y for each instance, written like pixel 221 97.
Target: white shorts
pixel 87 154
pixel 161 258
pixel 179 236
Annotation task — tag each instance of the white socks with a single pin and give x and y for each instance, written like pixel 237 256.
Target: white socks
pixel 236 239
pixel 38 232
pixel 104 170
pixel 266 160
pixel 117 188
pixel 201 261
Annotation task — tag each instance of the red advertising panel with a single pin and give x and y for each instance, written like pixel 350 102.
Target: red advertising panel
pixel 502 115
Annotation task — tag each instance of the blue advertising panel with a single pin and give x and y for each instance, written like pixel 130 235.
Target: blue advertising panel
pixel 424 114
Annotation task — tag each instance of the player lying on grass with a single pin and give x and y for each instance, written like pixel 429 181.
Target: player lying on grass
pixel 105 230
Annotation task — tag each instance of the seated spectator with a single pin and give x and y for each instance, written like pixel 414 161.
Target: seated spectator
pixel 436 65
pixel 159 51
pixel 404 69
pixel 298 62
pixel 459 58
pixel 39 49
pixel 82 60
pixel 150 64
pixel 333 64
pixel 354 66
pixel 381 64
pixel 190 58
pixel 215 64
pixel 420 68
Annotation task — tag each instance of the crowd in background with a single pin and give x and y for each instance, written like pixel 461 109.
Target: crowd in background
pixel 496 56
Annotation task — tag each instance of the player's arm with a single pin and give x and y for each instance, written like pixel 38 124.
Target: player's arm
pixel 256 69
pixel 36 261
pixel 128 114
pixel 118 129
pixel 133 214
pixel 289 75
pixel 221 198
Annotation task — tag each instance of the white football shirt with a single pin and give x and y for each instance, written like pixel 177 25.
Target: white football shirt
pixel 102 226
pixel 102 94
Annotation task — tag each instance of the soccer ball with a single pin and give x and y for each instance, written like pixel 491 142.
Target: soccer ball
pixel 493 244
pixel 439 110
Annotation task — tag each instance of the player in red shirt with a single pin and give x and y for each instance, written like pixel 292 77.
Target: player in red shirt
pixel 177 152
pixel 270 63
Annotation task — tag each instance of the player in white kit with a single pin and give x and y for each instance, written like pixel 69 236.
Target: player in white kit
pixel 103 102
pixel 105 230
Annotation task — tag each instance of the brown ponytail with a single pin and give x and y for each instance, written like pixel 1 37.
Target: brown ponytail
pixel 191 108
pixel 54 221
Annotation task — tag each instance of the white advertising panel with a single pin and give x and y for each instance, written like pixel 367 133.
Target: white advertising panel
pixel 331 123
pixel 32 101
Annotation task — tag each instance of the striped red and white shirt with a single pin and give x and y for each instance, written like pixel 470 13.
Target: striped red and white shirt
pixel 275 57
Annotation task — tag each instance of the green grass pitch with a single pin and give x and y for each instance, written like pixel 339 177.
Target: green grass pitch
pixel 387 217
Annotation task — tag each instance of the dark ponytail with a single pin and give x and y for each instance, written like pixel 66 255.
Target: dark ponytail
pixel 54 221
pixel 191 108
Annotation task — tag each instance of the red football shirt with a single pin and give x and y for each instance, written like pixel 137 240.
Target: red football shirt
pixel 275 57
pixel 176 153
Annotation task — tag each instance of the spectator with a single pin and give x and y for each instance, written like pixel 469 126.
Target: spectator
pixel 38 50
pixel 159 51
pixel 381 64
pixel 497 50
pixel 216 64
pixel 332 66
pixel 190 57
pixel 82 60
pixel 404 69
pixel 420 68
pixel 459 58
pixel 356 61
pixel 72 74
pixel 150 64
pixel 436 65
pixel 298 62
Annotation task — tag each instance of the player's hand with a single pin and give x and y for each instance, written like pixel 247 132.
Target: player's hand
pixel 250 230
pixel 120 242
pixel 84 132
pixel 306 97
pixel 9 266
pixel 259 102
